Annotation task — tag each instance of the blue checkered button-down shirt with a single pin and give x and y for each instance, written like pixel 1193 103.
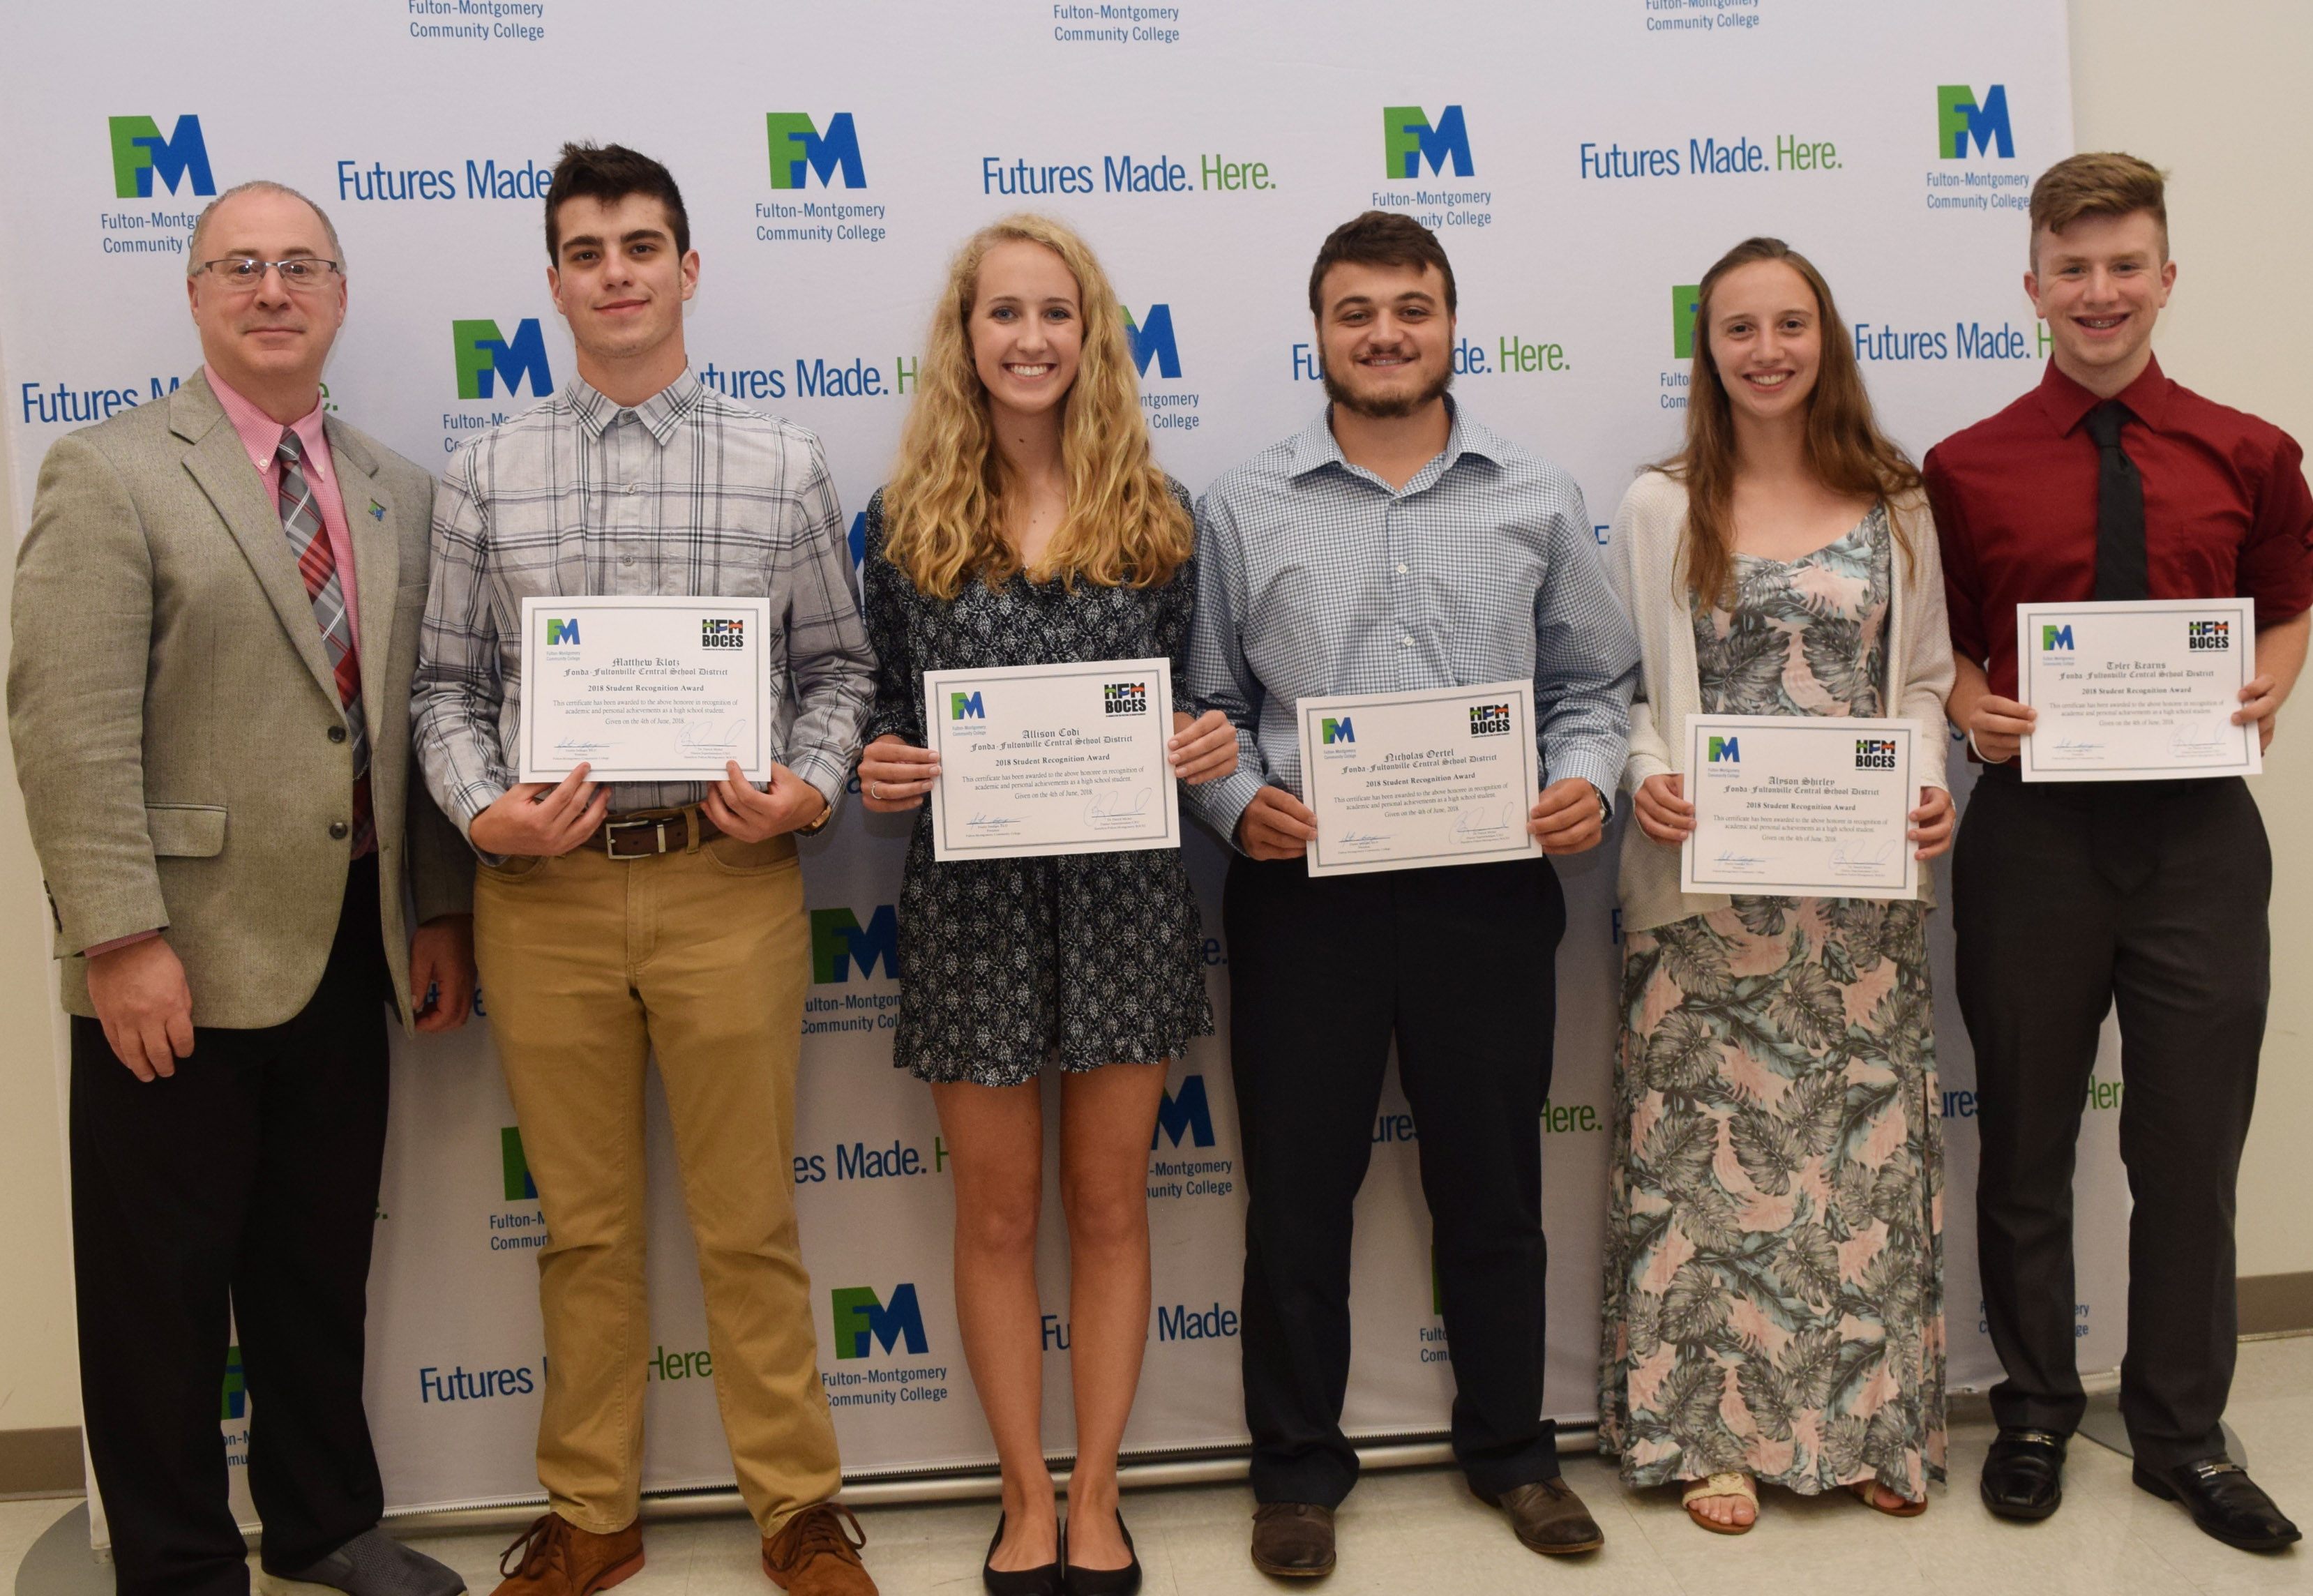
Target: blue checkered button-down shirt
pixel 686 494
pixel 1316 577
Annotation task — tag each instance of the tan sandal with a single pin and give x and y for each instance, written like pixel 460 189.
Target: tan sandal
pixel 1735 1485
pixel 1867 1492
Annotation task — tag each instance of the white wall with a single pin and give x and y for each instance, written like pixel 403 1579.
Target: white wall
pixel 2209 93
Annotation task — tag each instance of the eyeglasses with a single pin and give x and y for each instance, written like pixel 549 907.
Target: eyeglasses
pixel 307 274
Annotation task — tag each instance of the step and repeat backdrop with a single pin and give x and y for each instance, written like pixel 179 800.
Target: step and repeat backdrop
pixel 1582 164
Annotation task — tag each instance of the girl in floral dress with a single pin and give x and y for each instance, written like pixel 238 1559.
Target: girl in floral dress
pixel 1774 1265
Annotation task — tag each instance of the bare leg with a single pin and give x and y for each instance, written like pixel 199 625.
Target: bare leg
pixel 1107 1118
pixel 997 1135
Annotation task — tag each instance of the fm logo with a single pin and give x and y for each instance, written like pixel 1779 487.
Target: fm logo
pixel 519 1186
pixel 1961 116
pixel 863 1321
pixel 1154 341
pixel 1723 750
pixel 1684 301
pixel 1408 139
pixel 484 357
pixel 139 152
pixel 838 942
pixel 966 706
pixel 2053 638
pixel 799 146
pixel 233 1403
pixel 559 633
pixel 1336 731
pixel 1189 1114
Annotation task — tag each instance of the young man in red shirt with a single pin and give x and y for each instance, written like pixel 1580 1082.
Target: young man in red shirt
pixel 2110 482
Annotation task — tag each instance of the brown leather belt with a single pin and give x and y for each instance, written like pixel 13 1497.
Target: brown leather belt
pixel 646 833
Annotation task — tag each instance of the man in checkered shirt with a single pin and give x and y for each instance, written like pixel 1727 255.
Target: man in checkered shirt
pixel 1396 545
pixel 613 921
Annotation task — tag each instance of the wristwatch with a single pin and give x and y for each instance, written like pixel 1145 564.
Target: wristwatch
pixel 826 814
pixel 1606 808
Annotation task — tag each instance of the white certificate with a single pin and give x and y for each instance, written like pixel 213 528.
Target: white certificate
pixel 1409 780
pixel 1800 806
pixel 2137 691
pixel 1043 759
pixel 646 689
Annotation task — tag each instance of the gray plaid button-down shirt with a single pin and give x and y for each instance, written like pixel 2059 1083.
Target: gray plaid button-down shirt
pixel 685 494
pixel 1316 577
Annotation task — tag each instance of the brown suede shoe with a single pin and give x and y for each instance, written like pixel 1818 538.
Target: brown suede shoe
pixel 813 1555
pixel 1549 1518
pixel 1292 1539
pixel 556 1557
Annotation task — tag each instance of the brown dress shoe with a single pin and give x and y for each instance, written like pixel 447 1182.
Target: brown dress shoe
pixel 556 1557
pixel 1549 1518
pixel 813 1555
pixel 1292 1539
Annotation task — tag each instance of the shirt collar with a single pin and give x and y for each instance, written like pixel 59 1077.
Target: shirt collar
pixel 2066 404
pixel 1316 446
pixel 260 434
pixel 661 414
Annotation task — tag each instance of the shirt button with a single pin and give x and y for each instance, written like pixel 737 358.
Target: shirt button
pixel 339 830
pixel 634 487
pixel 1406 642
pixel 626 559
pixel 1401 570
pixel 337 734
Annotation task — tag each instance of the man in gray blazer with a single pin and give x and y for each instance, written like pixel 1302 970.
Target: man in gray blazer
pixel 216 613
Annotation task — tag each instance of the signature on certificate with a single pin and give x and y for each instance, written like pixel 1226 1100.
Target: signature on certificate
pixel 704 738
pixel 2201 739
pixel 1483 823
pixel 981 820
pixel 1734 859
pixel 1364 839
pixel 2077 747
pixel 1859 858
pixel 1117 807
pixel 579 748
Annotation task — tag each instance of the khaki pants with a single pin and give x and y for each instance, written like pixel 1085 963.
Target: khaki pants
pixel 589 965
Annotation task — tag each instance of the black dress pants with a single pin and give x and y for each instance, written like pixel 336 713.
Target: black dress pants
pixel 2070 898
pixel 249 1177
pixel 1460 963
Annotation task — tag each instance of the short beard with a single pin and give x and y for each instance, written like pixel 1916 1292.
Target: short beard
pixel 1387 410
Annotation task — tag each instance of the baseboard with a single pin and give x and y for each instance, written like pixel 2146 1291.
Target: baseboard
pixel 2272 1304
pixel 40 1463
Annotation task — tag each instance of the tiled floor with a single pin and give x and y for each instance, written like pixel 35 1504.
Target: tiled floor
pixel 1420 1531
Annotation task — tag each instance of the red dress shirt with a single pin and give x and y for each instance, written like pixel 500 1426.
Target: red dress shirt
pixel 2227 513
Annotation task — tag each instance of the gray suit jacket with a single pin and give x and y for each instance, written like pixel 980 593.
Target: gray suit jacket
pixel 171 705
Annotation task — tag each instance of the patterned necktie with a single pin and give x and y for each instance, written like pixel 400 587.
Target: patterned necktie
pixel 309 545
pixel 2121 566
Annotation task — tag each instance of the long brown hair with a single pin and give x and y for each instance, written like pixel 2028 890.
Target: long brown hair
pixel 943 507
pixel 1845 449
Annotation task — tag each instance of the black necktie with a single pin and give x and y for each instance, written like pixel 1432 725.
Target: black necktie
pixel 2120 567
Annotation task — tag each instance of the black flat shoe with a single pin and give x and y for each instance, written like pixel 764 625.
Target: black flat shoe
pixel 2024 1474
pixel 1104 1582
pixel 1020 1582
pixel 2225 1503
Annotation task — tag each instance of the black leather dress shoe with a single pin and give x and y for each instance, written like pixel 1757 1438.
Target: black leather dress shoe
pixel 2024 1474
pixel 2224 1500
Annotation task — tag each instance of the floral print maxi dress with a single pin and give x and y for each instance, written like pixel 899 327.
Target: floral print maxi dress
pixel 1774 1248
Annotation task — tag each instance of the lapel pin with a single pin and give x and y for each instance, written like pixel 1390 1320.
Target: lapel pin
pixel 376 511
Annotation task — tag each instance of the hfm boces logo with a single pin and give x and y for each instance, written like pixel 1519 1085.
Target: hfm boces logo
pixel 722 632
pixel 485 357
pixel 1124 698
pixel 2205 635
pixel 864 1321
pixel 1962 117
pixel 1409 138
pixel 140 154
pixel 1875 753
pixel 800 150
pixel 1490 720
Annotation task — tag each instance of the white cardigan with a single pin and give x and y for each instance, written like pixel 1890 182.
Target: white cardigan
pixel 1648 571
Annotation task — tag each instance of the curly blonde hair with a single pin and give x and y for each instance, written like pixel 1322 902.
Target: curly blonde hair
pixel 943 507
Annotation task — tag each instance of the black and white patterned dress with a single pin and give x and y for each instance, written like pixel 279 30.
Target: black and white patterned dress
pixel 1005 963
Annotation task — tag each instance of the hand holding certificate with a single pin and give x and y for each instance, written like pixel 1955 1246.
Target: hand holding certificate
pixel 1409 780
pixel 1051 759
pixel 1800 806
pixel 644 689
pixel 2137 691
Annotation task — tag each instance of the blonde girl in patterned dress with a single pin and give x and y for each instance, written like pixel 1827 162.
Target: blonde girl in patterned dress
pixel 1774 1264
pixel 1026 523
